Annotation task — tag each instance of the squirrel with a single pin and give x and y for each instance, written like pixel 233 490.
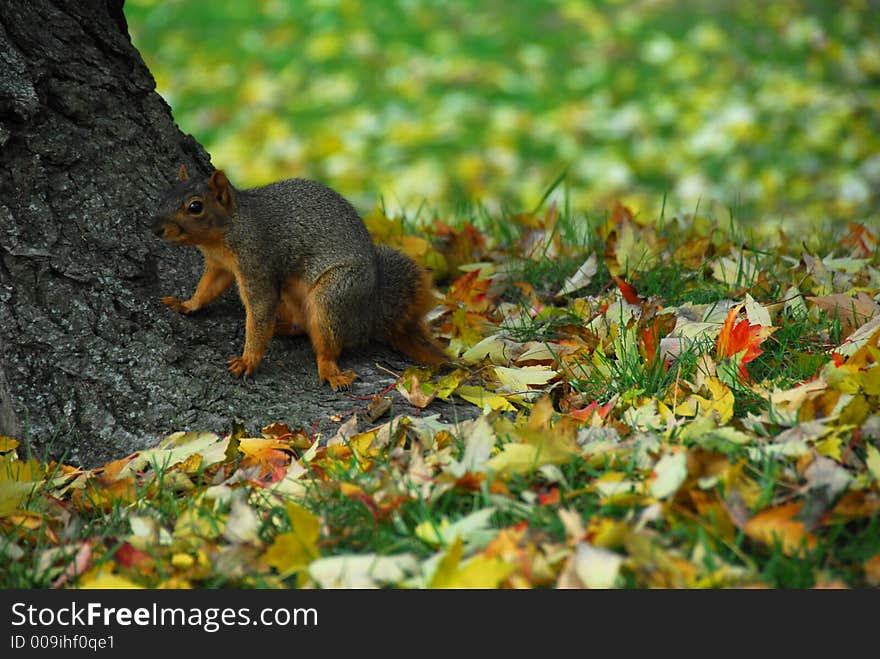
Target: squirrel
pixel 304 262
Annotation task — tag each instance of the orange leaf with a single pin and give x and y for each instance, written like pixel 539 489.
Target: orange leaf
pixel 648 342
pixel 469 291
pixel 585 413
pixel 629 293
pixel 736 337
pixel 778 525
pixel 551 498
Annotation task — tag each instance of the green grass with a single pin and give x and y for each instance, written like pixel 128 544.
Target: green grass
pixel 400 497
pixel 768 110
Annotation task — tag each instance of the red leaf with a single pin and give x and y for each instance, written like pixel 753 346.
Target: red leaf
pixel 585 413
pixel 549 499
pixel 128 556
pixel 629 293
pixel 736 337
pixel 469 291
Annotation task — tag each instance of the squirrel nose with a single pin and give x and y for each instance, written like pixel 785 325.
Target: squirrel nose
pixel 158 225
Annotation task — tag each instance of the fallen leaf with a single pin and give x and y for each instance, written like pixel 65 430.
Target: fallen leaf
pixel 596 567
pixel 522 378
pixel 581 278
pixel 779 525
pixel 671 472
pixel 362 570
pixel 295 549
pixel 478 572
pixel 107 581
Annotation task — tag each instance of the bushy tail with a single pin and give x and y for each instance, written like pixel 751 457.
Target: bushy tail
pixel 404 299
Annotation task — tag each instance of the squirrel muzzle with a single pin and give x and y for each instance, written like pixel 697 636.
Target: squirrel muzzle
pixel 169 231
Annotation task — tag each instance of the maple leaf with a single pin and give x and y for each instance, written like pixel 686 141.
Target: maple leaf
pixel 602 411
pixel 295 549
pixel 741 338
pixel 479 572
pixel 269 454
pixel 469 291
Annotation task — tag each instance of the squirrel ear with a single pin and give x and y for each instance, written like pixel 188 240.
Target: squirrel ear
pixel 181 173
pixel 220 186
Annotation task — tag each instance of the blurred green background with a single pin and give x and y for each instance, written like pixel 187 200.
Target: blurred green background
pixel 769 110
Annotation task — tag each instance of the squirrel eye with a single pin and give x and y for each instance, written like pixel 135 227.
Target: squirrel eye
pixel 195 207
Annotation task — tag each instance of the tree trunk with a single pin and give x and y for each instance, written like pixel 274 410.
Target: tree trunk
pixel 95 366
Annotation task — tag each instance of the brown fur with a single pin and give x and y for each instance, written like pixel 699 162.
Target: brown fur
pixel 319 258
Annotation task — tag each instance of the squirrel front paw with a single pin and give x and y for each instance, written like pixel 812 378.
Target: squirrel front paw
pixel 242 366
pixel 342 380
pixel 176 304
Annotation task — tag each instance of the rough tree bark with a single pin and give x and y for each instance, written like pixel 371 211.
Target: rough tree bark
pixel 95 366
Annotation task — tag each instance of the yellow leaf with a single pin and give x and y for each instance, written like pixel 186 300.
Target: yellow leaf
pixel 844 379
pixel 778 525
pixel 176 448
pixel 306 525
pixel 197 523
pixel 614 486
pixel 871 381
pixel 7 443
pixel 431 532
pixel 520 379
pixel 257 446
pixel 105 581
pixel 13 494
pixel 483 398
pixel 498 349
pixel 830 447
pixel 719 402
pixel 474 528
pixel 361 444
pixel 479 572
pixel 523 458
pixel 288 554
pixel 873 461
pixel 295 549
pixel 447 384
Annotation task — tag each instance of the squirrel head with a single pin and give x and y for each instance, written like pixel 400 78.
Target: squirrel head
pixel 196 211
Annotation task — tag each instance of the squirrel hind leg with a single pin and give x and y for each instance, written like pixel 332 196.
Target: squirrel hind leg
pixel 326 346
pixel 328 370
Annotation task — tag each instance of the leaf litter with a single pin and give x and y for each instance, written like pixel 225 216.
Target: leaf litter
pixel 629 434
